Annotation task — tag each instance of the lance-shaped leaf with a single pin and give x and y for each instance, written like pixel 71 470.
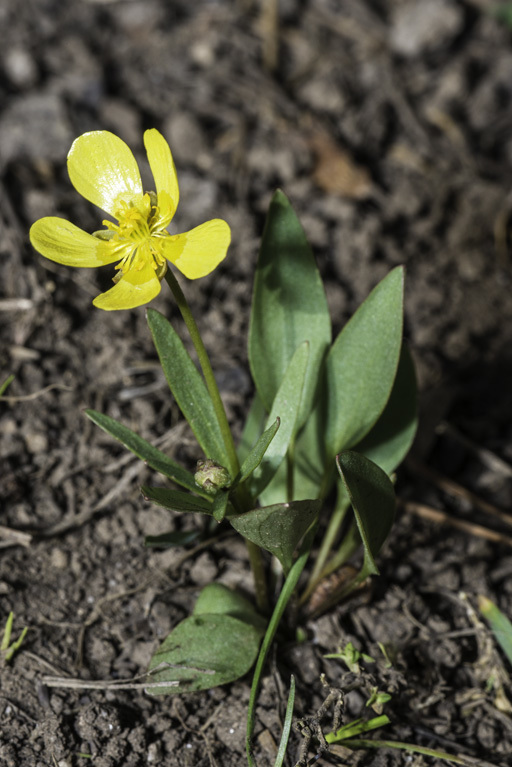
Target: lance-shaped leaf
pixel 277 490
pixel 499 623
pixel 373 500
pixel 285 407
pixel 362 364
pixel 5 385
pixel 175 500
pixel 309 455
pixel 288 307
pixel 188 387
pixel 220 505
pixel 255 456
pixel 308 463
pixel 390 439
pixel 287 725
pixel 209 648
pixel 253 427
pixel 278 528
pixel 154 458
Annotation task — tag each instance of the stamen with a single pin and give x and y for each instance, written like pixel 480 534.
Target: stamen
pixel 138 233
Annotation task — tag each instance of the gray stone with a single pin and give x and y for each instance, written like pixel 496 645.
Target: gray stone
pixel 34 128
pixel 422 25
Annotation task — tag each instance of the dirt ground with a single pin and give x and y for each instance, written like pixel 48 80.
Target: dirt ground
pixel 389 125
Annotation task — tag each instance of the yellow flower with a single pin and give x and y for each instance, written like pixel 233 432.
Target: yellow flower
pixel 103 169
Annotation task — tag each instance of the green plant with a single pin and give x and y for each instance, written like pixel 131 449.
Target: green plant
pixel 8 648
pixel 5 384
pixel 352 734
pixel 499 623
pixel 329 423
pixel 502 12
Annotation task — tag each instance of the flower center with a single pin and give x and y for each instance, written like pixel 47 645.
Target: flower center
pixel 137 234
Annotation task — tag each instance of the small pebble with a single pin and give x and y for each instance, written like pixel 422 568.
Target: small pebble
pixel 204 570
pixel 425 25
pixel 36 443
pixel 20 68
pixel 59 559
pixel 186 138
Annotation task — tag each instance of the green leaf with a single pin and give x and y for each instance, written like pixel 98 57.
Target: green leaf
pixel 278 528
pixel 284 597
pixel 288 307
pixel 5 385
pixel 357 727
pixel 390 439
pixel 287 725
pixel 175 500
pixel 277 489
pixel 217 598
pixel 308 463
pixel 209 648
pixel 255 456
pixel 8 648
pixel 373 500
pixel 6 637
pixel 413 749
pixel 285 407
pixel 154 458
pixel 499 623
pixel 309 455
pixel 362 364
pixel 219 506
pixel 188 387
pixel 204 651
pixel 253 428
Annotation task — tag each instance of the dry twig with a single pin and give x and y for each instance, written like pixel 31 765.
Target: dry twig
pixel 441 518
pixel 10 537
pixel 453 488
pixel 35 394
pixel 488 458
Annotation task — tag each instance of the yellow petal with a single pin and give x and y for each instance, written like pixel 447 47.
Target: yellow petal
pixel 198 252
pixel 102 169
pixel 63 242
pixel 163 170
pixel 135 288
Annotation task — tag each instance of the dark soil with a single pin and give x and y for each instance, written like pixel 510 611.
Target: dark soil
pixel 389 125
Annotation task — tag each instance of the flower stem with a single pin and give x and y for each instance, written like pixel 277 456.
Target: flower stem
pixel 209 378
pixel 254 551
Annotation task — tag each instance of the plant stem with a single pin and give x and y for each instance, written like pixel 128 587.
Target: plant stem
pixel 209 378
pixel 348 546
pixel 284 597
pixel 327 543
pixel 290 455
pixel 254 551
pixel 258 574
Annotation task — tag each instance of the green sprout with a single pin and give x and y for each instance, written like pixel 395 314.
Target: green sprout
pixel 351 657
pixel 500 625
pixel 7 649
pixel 353 734
pixel 5 385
